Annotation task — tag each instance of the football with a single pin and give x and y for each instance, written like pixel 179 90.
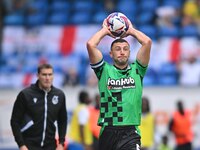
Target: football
pixel 117 23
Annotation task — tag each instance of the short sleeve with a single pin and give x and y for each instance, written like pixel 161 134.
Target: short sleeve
pixel 98 68
pixel 142 69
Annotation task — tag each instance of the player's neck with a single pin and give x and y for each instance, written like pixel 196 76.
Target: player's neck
pixel 121 67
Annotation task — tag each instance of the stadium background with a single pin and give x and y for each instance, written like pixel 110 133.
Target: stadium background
pixel 55 31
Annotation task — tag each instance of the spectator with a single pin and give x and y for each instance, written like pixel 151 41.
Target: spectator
pixel 71 77
pixel 187 21
pixel 147 125
pixel 109 5
pixel 80 132
pixel 181 126
pixel 191 9
pixel 166 15
pixel 19 6
pixel 169 14
pixel 189 70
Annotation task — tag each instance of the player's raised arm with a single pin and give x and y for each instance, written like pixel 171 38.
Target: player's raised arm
pixel 143 54
pixel 94 53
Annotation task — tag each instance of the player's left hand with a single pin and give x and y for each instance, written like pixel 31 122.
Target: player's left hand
pixel 127 33
pixel 60 147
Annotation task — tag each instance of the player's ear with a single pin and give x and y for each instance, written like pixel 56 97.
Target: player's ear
pixel 111 55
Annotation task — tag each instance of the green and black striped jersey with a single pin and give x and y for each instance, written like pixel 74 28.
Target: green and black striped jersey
pixel 121 93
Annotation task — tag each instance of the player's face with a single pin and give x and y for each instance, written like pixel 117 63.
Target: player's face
pixel 45 78
pixel 120 53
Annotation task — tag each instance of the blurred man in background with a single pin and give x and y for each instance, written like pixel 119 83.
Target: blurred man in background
pixel 181 126
pixel 35 112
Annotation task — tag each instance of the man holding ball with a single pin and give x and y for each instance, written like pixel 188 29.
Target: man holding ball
pixel 120 86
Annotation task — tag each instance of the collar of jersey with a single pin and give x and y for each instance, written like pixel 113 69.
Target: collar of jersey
pixel 123 70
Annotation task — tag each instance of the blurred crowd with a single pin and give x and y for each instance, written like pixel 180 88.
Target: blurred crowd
pixel 174 25
pixel 161 13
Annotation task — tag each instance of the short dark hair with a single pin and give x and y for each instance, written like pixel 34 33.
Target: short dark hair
pixel 83 97
pixel 44 66
pixel 145 100
pixel 180 106
pixel 118 40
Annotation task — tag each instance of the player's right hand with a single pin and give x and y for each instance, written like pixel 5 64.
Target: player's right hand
pixel 23 147
pixel 104 25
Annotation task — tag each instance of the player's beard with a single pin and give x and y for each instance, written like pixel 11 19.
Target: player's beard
pixel 121 62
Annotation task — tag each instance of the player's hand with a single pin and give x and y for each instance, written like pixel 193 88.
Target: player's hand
pixel 130 27
pixel 23 147
pixel 60 147
pixel 104 25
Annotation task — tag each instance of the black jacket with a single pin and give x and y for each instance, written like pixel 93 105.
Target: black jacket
pixel 34 115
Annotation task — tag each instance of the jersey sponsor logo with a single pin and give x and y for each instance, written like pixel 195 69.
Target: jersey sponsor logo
pixel 35 100
pixel 55 100
pixel 123 83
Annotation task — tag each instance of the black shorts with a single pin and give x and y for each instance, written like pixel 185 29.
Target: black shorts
pixel 119 138
pixel 186 146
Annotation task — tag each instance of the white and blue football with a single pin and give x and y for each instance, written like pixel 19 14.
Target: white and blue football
pixel 117 23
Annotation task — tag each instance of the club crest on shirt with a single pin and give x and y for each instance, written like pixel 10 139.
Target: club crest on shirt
pixel 55 100
pixel 35 100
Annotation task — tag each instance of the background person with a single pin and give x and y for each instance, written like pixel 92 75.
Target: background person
pixel 35 112
pixel 147 126
pixel 181 126
pixel 80 132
